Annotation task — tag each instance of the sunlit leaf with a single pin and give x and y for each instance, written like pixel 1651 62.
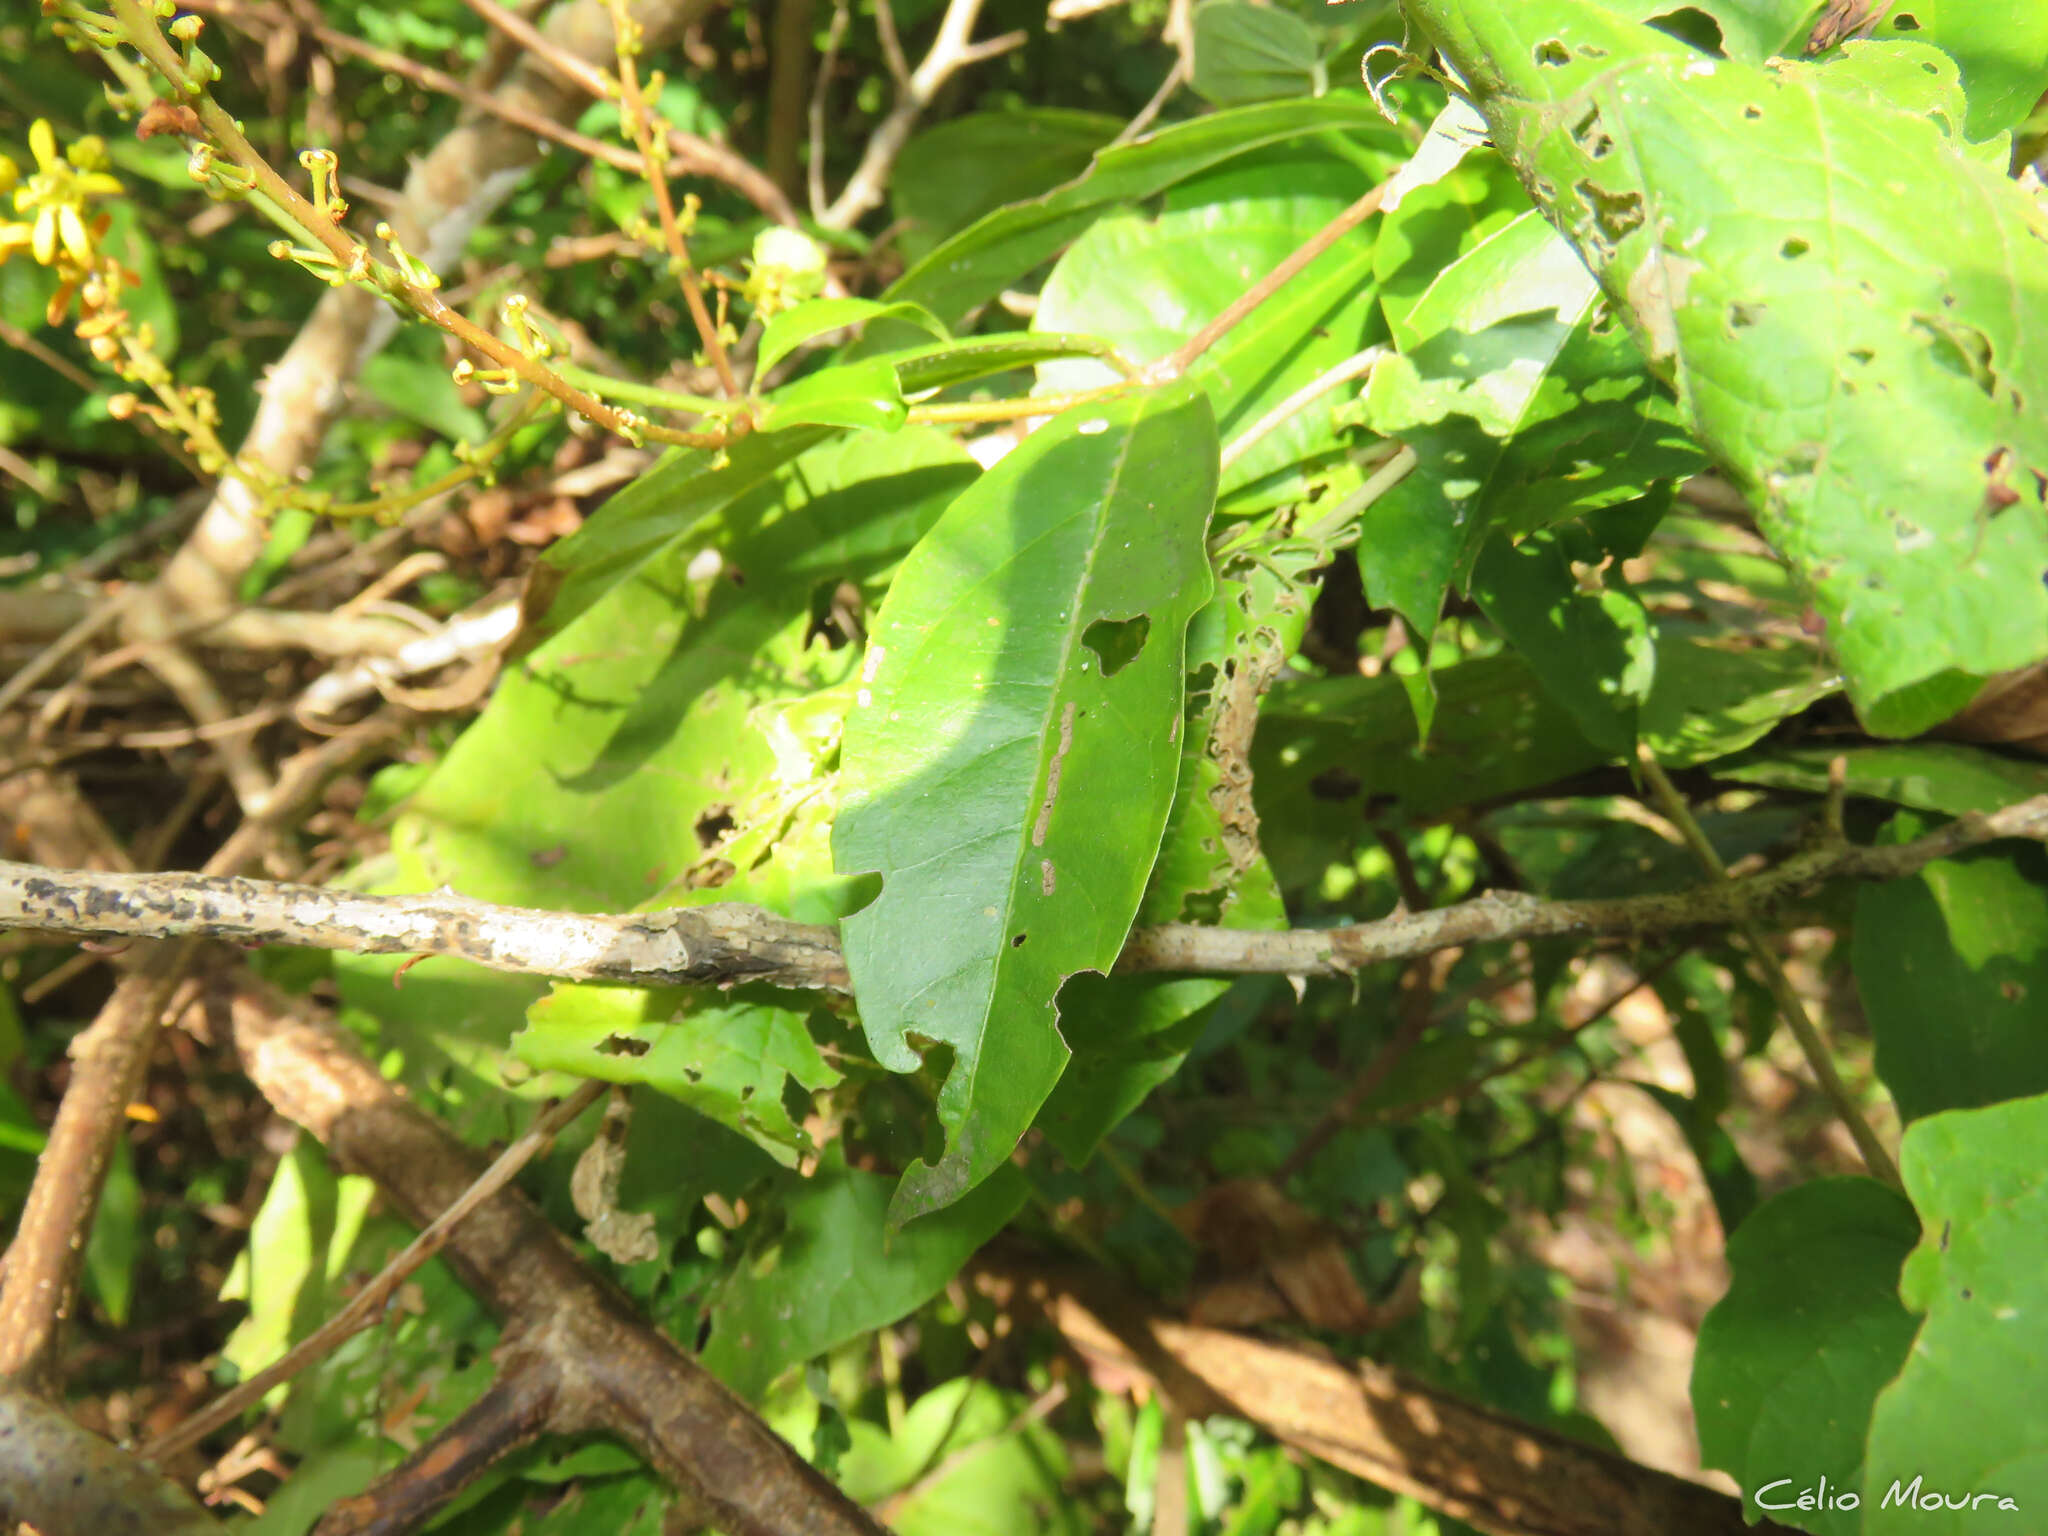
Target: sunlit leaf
pixel 1011 757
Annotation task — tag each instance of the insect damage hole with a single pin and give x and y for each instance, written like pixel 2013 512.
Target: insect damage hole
pixel 1117 642
pixel 1551 53
pixel 1795 247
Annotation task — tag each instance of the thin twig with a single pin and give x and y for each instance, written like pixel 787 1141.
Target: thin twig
pixel 693 153
pixel 363 1307
pixel 1815 1049
pixel 1177 363
pixel 581 73
pixel 732 941
pixel 821 91
pixel 1314 390
pixel 953 50
pixel 1176 77
pixel 650 136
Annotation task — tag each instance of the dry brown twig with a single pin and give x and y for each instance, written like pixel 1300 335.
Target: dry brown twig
pixel 363 1307
pixel 40 1285
pixel 952 50
pixel 575 1356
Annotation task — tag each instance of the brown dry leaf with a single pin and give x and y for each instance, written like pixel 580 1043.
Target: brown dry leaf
pixel 490 514
pixel 2012 711
pixel 553 519
pixel 1258 1234
pixel 621 1236
pixel 1844 19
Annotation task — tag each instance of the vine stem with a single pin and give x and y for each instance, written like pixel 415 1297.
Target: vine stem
pixel 1177 363
pixel 1815 1049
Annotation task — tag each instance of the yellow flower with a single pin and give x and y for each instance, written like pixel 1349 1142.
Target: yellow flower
pixel 56 194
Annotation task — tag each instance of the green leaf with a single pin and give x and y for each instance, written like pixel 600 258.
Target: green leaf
pixel 794 326
pixel 668 745
pixel 298 1244
pixel 1941 776
pixel 2001 47
pixel 1147 284
pixel 977 357
pixel 685 488
pixel 1729 1181
pixel 1590 649
pixel 116 1236
pixel 993 1469
pixel 1130 1033
pixel 1792 1358
pixel 833 1269
pixel 1332 751
pixel 726 1059
pixel 1712 699
pixel 863 395
pixel 1246 52
pixel 1783 244
pixel 979 262
pixel 1952 966
pixel 1523 407
pixel 420 390
pixel 1005 775
pixel 1965 1415
pixel 953 173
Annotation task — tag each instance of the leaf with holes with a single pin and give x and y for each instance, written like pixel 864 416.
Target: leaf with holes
pixel 1012 753
pixel 1130 1033
pixel 1967 1415
pixel 727 1058
pixel 664 746
pixel 2001 47
pixel 1850 299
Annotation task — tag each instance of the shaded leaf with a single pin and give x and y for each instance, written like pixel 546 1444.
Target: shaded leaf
pixel 1792 1358
pixel 1591 649
pixel 956 171
pixel 1710 699
pixel 1927 775
pixel 1952 966
pixel 833 1270
pixel 1246 52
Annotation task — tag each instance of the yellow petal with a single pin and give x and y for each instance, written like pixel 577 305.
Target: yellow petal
pixel 42 143
pixel 76 240
pixel 46 236
pixel 98 184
